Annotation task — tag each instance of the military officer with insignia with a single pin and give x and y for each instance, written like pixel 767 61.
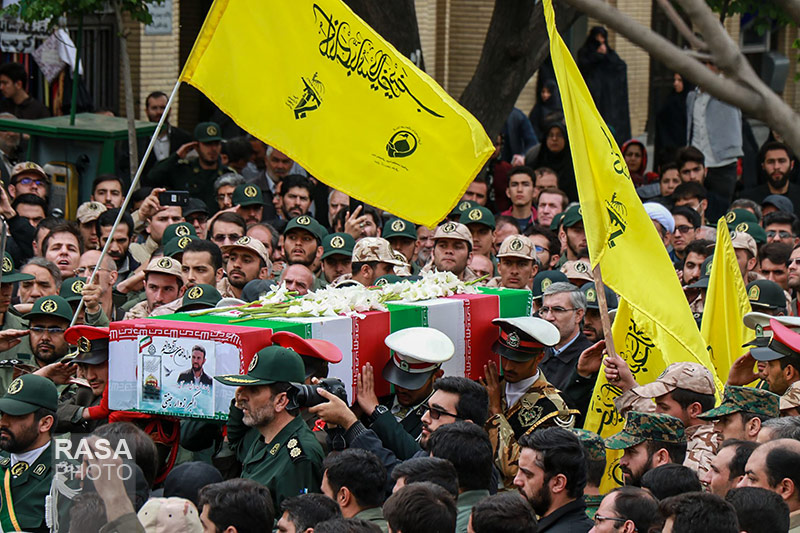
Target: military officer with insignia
pixel 517 263
pixel 197 176
pixel 249 203
pixel 541 281
pixel 27 420
pixel 200 296
pixel 337 257
pixel 417 355
pixel 452 251
pixel 163 283
pixel 402 236
pixel 522 400
pixel 742 411
pixel 274 444
pixel 372 258
pixel 481 224
pixel 9 318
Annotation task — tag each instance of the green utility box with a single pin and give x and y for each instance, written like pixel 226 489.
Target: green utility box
pixel 74 155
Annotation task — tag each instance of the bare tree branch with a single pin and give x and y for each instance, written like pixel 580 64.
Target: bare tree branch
pixel 743 88
pixel 674 17
pixel 792 8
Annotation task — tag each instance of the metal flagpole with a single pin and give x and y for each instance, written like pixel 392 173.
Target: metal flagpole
pixel 127 199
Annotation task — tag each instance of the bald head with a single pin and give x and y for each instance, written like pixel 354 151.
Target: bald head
pixel 298 278
pixel 775 466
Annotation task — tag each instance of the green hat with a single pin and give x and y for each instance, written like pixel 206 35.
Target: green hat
pixel 338 244
pixel 176 246
pixel 544 279
pixel 592 444
pixel 572 216
pixel 641 427
pixel 200 297
pixel 463 205
pixel 51 306
pixel 28 393
pixel 180 229
pixel 397 227
pixel 753 229
pixel 308 223
pixel 246 194
pixel 10 275
pixel 478 215
pixel 72 288
pixel 272 364
pixel 735 217
pixel 760 402
pixel 764 293
pixel 590 291
pixel 207 132
pixel 556 221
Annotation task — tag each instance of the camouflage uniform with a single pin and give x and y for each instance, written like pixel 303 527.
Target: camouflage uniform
pixel 791 398
pixel 225 289
pixel 643 427
pixel 595 450
pixel 759 402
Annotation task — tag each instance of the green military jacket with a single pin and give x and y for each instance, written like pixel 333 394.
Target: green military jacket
pixel 374 515
pixel 464 504
pixel 289 465
pixel 22 351
pixel 28 489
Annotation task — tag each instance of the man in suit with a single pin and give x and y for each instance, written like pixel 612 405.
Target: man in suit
pixel 196 374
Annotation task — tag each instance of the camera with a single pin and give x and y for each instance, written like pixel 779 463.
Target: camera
pixel 301 395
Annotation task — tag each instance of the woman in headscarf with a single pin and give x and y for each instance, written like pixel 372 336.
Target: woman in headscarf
pixel 548 109
pixel 555 154
pixel 635 155
pixel 670 134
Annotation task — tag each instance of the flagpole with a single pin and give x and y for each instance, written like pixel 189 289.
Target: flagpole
pixel 604 318
pixel 127 199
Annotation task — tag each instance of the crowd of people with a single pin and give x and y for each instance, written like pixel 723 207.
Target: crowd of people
pixel 442 453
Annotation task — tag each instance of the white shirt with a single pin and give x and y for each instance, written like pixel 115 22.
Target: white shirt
pixel 515 391
pixel 30 456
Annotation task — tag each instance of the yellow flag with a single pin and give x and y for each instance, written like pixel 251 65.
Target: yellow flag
pixel 654 326
pixel 314 81
pixel 725 306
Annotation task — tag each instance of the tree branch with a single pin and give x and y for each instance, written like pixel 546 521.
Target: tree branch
pixel 792 8
pixel 687 33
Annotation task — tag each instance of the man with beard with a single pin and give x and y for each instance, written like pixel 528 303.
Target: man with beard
pixel 425 244
pixel 79 409
pixel 776 161
pixel 169 139
pixel 523 401
pixel 26 428
pixel 727 468
pixel 118 250
pixel 163 283
pixel 247 260
pixel 275 446
pixel 302 241
pixel 196 375
pixel 249 202
pixel 696 252
pixel 49 319
pixel 196 176
pixel 648 441
pixel 742 411
pixel 98 298
pixel 552 476
pixel 592 324
pixel 402 235
pixel 296 194
pixel 572 234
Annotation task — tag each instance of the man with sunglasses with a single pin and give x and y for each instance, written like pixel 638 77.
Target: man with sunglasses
pixel 49 319
pixel 523 400
pixel 28 178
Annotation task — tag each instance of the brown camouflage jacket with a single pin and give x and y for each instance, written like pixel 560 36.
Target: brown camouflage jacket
pixel 140 310
pixel 225 289
pixel 541 406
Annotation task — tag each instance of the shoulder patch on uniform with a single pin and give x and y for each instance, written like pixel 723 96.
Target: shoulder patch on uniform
pixel 295 450
pixel 40 470
pixel 4 462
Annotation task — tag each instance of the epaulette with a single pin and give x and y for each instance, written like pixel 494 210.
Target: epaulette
pixel 183 161
pixel 295 451
pixel 5 461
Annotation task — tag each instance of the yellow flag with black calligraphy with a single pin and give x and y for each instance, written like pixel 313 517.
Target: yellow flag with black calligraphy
pixel 314 81
pixel 654 326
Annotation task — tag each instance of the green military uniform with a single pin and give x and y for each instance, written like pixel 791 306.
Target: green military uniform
pixel 397 228
pixel 291 463
pixel 464 504
pixel 12 319
pixel 759 402
pixel 595 450
pixel 185 175
pixel 375 516
pixel 340 244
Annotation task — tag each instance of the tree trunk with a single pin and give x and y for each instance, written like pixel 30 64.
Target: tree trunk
pixel 133 152
pixel 791 7
pixel 395 21
pixel 516 45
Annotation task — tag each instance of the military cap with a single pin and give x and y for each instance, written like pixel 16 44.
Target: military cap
pixel 572 216
pixel 92 343
pixel 177 230
pixel 590 291
pixel 397 227
pixel 556 223
pixel 745 399
pixel 195 205
pixel 791 398
pixel 463 205
pixel 338 244
pixel 370 249
pixel 738 215
pixel 477 215
pixel 51 306
pixel 247 194
pixel 201 296
pixel 207 132
pixel 784 342
pixel 89 211
pixel 273 364
pixel 10 274
pixel 309 224
pixel 72 288
pixel 643 427
pixel 28 167
pixel 177 246
pixel 164 265
pixel 764 293
pixel 416 354
pixel 28 393
pixel 523 338
pixel 250 244
pixel 690 376
pixel 744 241
pixel 592 444
pixel 453 230
pixel 780 202
pixel 517 246
pixel 579 270
pixel 544 279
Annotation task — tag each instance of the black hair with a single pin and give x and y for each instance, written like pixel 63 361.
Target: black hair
pixel 792 360
pixel 347 525
pixel 766 147
pixel 48 222
pixel 744 449
pixel 562 453
pixel 506 512
pixel 782 463
pixel 107 219
pixel 435 470
pixel 675 450
pixel 15 72
pixel 42 412
pixel 307 510
pixel 360 471
pixel 759 510
pixel 230 217
pixel 689 214
pixel 639 506
pixel 553 243
pixel 139 195
pixel 154 94
pixel 702 247
pixel 670 480
pixel 522 170
pixel 468 447
pixel 241 503
pixel 142 447
pixel 203 245
pixel 107 177
pixel 700 512
pixel 473 400
pixel 238 148
pixel 64 227
pixel 296 180
pixel 777 253
pixel 686 397
pixel 690 154
pixel 781 217
pixel 30 199
pixel 689 189
pixel 421 508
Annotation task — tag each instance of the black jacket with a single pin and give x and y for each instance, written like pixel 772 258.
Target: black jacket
pixel 570 518
pixel 558 368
